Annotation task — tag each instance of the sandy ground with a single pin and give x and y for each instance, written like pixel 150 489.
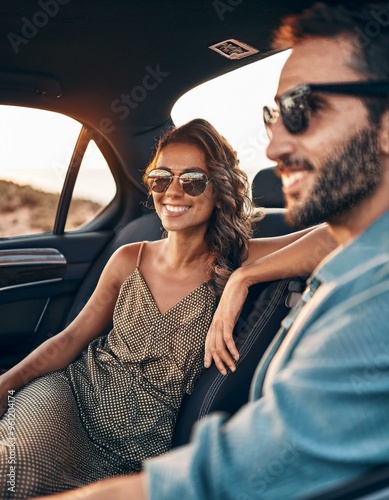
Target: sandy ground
pixel 24 210
pixel 17 223
pixel 22 221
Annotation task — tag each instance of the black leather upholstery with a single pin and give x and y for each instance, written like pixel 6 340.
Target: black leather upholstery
pixel 372 485
pixel 265 308
pixel 262 314
pixel 266 192
pixel 273 224
pixel 266 189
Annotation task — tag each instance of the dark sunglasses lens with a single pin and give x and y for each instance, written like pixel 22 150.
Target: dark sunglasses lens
pixel 295 114
pixel 159 180
pixel 193 183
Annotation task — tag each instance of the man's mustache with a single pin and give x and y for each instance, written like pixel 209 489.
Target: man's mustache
pixel 292 164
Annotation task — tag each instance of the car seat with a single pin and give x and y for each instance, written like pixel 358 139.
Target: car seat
pixel 267 304
pixel 372 485
pixel 266 191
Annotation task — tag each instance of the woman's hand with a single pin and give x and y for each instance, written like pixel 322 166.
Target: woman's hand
pixel 269 259
pixel 219 344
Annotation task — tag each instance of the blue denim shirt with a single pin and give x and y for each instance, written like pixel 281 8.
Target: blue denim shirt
pixel 319 409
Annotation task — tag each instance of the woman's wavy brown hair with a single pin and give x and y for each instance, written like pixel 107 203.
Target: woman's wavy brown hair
pixel 229 228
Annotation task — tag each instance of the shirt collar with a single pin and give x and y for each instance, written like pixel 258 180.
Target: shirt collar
pixel 372 243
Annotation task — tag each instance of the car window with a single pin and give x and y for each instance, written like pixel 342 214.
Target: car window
pixel 94 189
pixel 233 103
pixel 35 151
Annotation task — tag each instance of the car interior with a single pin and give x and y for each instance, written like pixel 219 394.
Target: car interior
pixel 118 68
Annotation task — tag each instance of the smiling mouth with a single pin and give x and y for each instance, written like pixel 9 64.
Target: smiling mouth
pixel 176 209
pixel 291 178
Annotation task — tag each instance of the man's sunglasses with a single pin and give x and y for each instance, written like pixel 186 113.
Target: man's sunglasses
pixel 192 182
pixel 295 106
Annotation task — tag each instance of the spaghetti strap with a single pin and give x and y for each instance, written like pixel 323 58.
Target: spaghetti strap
pixel 140 254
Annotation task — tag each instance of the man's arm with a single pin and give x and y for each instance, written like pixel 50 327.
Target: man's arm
pixel 320 419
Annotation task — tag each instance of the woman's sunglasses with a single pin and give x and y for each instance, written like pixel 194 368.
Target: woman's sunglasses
pixel 192 182
pixel 295 106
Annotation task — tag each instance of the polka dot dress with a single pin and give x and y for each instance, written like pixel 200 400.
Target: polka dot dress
pixel 113 407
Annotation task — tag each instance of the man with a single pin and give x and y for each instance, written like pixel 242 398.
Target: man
pixel 318 414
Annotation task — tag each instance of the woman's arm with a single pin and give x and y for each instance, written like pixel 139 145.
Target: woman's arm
pixel 60 350
pixel 299 257
pixel 260 247
pixel 131 487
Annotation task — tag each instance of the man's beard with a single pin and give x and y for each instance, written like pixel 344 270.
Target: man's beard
pixel 348 176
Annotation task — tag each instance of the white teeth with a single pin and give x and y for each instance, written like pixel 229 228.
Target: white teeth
pixel 289 179
pixel 173 208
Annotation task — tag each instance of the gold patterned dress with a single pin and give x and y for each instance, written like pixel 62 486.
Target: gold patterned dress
pixel 116 404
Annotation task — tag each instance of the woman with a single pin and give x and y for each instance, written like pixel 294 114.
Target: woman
pixel 96 406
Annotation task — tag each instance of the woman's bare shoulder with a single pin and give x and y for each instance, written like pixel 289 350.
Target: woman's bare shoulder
pixel 124 261
pixel 126 257
pixel 131 251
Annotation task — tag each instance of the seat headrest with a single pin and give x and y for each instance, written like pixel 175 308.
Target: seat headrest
pixel 266 189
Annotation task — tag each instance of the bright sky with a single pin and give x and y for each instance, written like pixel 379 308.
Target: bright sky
pixel 36 148
pixel 232 103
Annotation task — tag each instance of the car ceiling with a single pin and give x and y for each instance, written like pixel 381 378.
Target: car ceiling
pixel 98 50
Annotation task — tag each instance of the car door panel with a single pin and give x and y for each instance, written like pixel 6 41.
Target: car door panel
pixel 39 278
pixel 21 268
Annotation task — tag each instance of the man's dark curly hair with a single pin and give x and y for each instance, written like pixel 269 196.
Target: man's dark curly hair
pixel 366 24
pixel 229 229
